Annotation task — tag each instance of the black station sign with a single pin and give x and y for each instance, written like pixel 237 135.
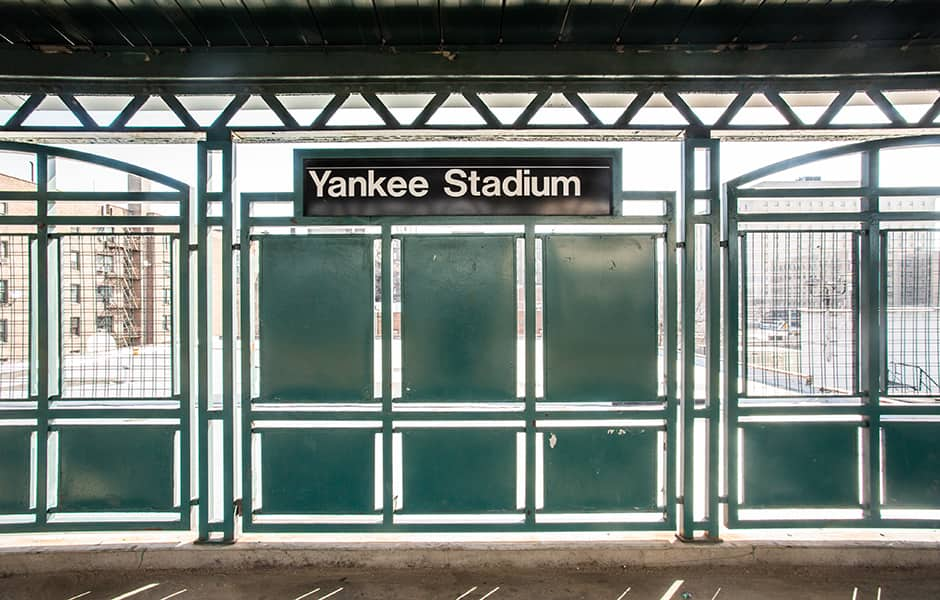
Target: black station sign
pixel 511 186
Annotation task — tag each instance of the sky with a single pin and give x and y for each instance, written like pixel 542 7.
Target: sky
pixel 647 165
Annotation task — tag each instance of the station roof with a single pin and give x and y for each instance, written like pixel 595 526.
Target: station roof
pixel 477 23
pixel 51 40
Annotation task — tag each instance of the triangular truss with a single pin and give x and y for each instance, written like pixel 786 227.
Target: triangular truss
pixel 205 110
pixel 759 110
pixel 632 110
pixel 809 106
pixel 608 107
pixel 9 105
pixel 658 110
pixel 104 110
pixel 860 109
pixel 560 109
pixel 255 112
pixel 355 111
pixel 708 108
pixel 155 112
pixel 456 111
pixel 405 107
pixel 507 108
pixel 913 106
pixel 52 112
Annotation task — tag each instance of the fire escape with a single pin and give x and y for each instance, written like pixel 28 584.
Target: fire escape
pixel 125 278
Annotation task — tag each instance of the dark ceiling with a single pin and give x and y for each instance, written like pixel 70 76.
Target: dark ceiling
pixel 90 24
pixel 219 45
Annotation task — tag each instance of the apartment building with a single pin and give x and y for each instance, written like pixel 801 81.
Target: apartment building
pixel 115 282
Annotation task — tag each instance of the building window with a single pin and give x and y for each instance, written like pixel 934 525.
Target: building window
pixel 104 324
pixel 104 263
pixel 75 326
pixel 76 292
pixel 75 261
pixel 167 295
pixel 3 208
pixel 104 294
pixel 4 326
pixel 166 322
pixel 4 292
pixel 4 249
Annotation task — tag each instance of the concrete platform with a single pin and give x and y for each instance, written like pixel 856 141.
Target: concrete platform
pixel 692 582
pixel 477 556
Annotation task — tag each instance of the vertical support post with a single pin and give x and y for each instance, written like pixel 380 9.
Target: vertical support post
pixel 388 492
pixel 247 336
pixel 687 322
pixel 713 335
pixel 41 299
pixel 183 365
pixel 202 340
pixel 671 335
pixel 872 322
pixel 216 142
pixel 228 346
pixel 530 330
pixel 711 408
pixel 735 304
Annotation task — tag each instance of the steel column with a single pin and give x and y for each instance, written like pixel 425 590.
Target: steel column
pixel 710 410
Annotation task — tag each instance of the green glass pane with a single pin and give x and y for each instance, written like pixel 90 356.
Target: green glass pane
pixel 325 471
pixel 600 318
pixel 458 319
pixel 600 469
pixel 459 470
pixel 14 469
pixel 800 465
pixel 316 318
pixel 912 465
pixel 115 468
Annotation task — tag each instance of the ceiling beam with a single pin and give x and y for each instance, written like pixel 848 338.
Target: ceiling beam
pixel 257 70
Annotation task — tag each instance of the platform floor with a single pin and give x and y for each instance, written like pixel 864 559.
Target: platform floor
pixel 307 583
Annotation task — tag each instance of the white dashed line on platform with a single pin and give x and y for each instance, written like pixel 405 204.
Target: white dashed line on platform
pixel 467 593
pixel 672 589
pixel 142 588
pixel 310 593
pixel 333 593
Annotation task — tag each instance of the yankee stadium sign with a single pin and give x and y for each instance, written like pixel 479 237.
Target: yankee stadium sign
pixel 513 186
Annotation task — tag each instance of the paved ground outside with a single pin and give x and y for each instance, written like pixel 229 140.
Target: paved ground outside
pixel 694 583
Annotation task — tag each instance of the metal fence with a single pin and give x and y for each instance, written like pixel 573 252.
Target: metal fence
pixel 832 337
pixel 803 323
pixel 94 350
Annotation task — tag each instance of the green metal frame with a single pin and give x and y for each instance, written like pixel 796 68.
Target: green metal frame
pixel 343 74
pixel 44 289
pixel 705 409
pixel 723 409
pixel 527 225
pixel 224 529
pixel 872 223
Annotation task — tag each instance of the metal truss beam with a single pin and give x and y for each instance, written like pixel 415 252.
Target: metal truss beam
pixel 780 118
pixel 41 95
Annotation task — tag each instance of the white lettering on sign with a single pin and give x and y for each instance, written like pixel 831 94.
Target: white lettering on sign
pixel 457 183
pixel 369 186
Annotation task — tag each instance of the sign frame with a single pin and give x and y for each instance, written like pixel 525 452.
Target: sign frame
pixel 614 155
